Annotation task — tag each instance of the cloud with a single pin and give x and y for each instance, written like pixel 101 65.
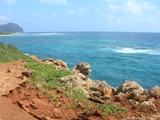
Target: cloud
pixel 112 19
pixel 137 8
pixel 78 11
pixel 71 11
pixel 10 1
pixel 3 18
pixel 134 7
pixel 113 7
pixel 55 1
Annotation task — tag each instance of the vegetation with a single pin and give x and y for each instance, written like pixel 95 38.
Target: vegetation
pixel 46 75
pixel 112 109
pixel 9 53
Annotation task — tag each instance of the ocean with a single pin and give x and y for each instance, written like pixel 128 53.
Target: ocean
pixel 113 56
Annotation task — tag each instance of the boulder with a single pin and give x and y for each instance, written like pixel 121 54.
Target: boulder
pixel 120 97
pixel 83 68
pixel 9 70
pixel 51 60
pixel 103 87
pixel 57 113
pixel 60 64
pixel 129 87
pixel 34 57
pixel 27 73
pixel 146 105
pixel 154 93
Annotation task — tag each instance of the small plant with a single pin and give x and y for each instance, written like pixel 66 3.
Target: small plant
pixel 112 109
pixel 47 75
pixel 53 97
pixel 9 53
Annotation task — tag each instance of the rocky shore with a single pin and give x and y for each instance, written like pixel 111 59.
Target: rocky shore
pixel 142 104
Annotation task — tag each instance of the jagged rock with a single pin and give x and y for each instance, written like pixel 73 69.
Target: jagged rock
pixel 76 81
pixel 97 113
pixel 147 105
pixel 83 68
pixel 106 97
pixel 130 86
pixel 9 70
pixel 134 103
pixel 142 98
pixel 34 57
pixel 57 113
pixel 154 93
pixel 60 64
pixel 103 87
pixel 96 100
pixel 120 97
pixel 95 93
pixel 27 73
pixel 48 60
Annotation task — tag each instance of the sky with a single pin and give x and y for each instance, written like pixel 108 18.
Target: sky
pixel 82 15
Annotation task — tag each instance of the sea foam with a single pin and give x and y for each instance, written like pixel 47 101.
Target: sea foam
pixel 137 51
pixel 42 34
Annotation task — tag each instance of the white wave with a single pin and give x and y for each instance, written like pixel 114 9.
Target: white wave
pixel 138 51
pixel 46 34
pixel 43 34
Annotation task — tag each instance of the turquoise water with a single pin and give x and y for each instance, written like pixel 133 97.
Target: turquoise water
pixel 114 57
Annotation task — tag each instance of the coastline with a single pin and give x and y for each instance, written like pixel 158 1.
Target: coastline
pixel 9 34
pixel 51 84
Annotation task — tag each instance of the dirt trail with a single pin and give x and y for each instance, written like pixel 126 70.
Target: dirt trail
pixel 10 78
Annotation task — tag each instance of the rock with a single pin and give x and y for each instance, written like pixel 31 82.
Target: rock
pixel 57 113
pixel 34 57
pixel 120 97
pixel 83 77
pixel 106 97
pixel 83 68
pixel 27 73
pixel 60 64
pixel 134 103
pixel 142 98
pixel 97 113
pixel 146 105
pixel 154 93
pixel 101 86
pixel 9 70
pixel 96 100
pixel 129 86
pixel 48 60
pixel 94 93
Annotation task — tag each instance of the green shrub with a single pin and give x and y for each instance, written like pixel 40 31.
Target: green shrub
pixel 47 75
pixel 112 109
pixel 9 53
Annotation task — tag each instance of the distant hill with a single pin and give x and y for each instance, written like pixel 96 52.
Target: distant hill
pixel 10 28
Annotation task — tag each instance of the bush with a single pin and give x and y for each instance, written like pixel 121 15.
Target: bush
pixel 9 53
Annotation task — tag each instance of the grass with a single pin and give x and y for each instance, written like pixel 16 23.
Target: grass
pixel 9 53
pixel 108 109
pixel 46 75
pixel 76 93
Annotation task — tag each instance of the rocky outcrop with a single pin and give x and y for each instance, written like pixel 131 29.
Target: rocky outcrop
pixel 154 93
pixel 59 64
pixel 35 57
pixel 83 68
pixel 129 86
pixel 130 93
